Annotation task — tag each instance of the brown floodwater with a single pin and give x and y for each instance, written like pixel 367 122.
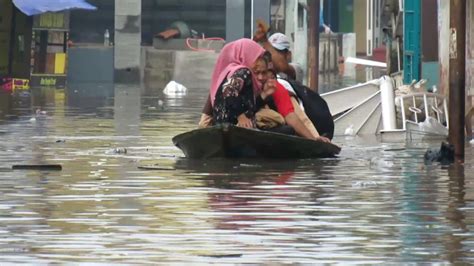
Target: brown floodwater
pixel 375 203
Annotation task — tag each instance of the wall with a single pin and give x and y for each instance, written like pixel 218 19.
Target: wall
pixel 329 47
pixel 127 41
pixel 429 50
pixel 349 50
pixel 90 65
pixel 470 48
pixel 5 26
pixel 21 45
pixel 235 20
pixel 429 30
pixel 346 16
pixel 163 66
pixel 89 26
pixel 289 20
pixel 443 41
pixel 204 16
pixel 360 14
pixel 20 54
pixel 330 14
pixel 297 33
pixel 300 51
pixel 277 13
pixel 443 27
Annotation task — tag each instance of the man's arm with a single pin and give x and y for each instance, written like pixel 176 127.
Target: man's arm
pixel 292 120
pixel 300 129
pixel 286 108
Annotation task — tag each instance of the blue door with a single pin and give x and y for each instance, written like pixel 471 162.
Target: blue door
pixel 412 40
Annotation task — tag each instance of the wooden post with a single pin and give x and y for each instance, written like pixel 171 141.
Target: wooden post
pixel 457 75
pixel 313 45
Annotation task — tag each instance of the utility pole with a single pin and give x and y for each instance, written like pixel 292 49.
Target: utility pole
pixel 457 75
pixel 313 45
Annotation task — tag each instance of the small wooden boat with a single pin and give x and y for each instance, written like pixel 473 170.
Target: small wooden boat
pixel 229 141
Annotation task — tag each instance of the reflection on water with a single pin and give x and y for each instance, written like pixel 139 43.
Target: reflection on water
pixel 376 203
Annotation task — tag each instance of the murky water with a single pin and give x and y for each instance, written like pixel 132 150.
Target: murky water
pixel 376 203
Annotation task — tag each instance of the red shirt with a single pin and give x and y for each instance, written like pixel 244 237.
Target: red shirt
pixel 282 100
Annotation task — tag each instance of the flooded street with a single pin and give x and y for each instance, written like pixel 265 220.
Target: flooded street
pixel 377 202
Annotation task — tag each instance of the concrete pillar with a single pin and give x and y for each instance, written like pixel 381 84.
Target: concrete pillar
pixel 260 10
pixel 444 36
pixel 127 41
pixel 235 20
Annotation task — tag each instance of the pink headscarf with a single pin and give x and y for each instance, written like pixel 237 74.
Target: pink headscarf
pixel 235 55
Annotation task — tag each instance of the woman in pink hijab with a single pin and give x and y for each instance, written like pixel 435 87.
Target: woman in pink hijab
pixel 238 77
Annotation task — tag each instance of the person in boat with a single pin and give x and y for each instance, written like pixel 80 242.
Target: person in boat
pixel 278 111
pixel 238 78
pixel 235 94
pixel 311 109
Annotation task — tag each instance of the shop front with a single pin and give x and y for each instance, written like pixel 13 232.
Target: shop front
pixel 49 50
pixel 34 42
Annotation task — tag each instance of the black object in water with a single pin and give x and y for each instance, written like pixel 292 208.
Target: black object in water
pixel 444 155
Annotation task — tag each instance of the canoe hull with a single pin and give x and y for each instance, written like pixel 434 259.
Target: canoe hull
pixel 228 141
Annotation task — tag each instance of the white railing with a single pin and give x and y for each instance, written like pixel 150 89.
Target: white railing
pixel 433 105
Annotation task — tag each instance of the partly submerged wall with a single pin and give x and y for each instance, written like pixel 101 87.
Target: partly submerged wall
pixel 190 68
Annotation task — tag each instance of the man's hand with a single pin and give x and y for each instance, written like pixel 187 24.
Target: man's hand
pixel 260 34
pixel 269 88
pixel 244 121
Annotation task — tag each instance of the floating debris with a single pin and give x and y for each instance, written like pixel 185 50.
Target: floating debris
pixel 156 167
pixel 443 155
pixel 395 149
pixel 380 163
pixel 365 184
pixel 117 151
pixel 249 165
pixel 39 112
pixel 43 167
pixel 174 88
pixel 223 256
pixel 349 131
